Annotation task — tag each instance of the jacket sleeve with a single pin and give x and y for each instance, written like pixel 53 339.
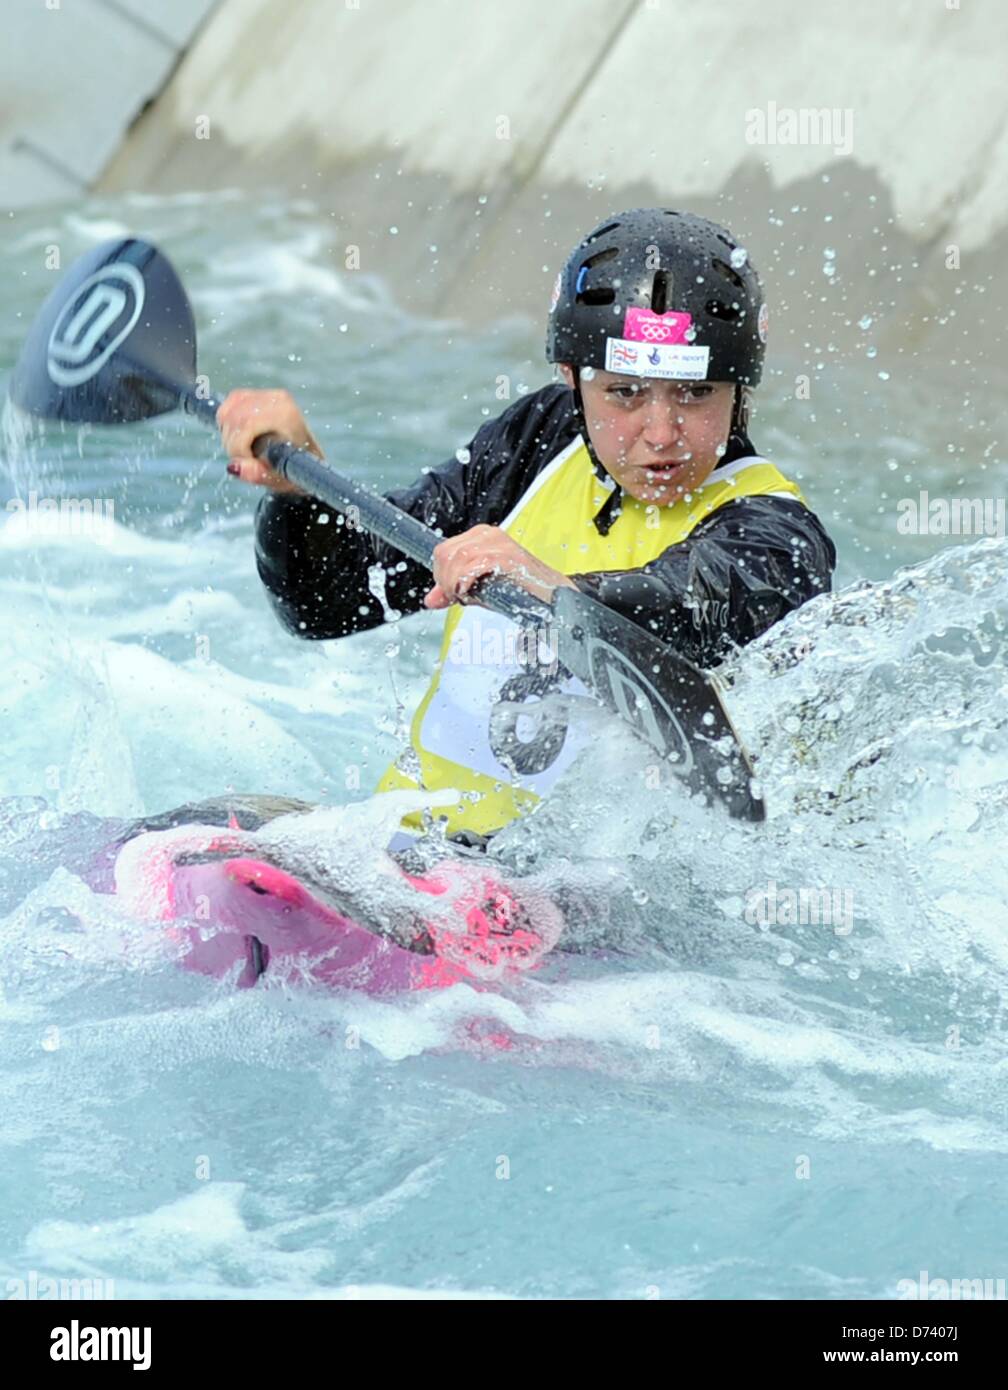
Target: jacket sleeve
pixel 735 575
pixel 316 568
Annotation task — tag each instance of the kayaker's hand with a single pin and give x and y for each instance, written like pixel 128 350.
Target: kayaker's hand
pixel 244 416
pixel 461 560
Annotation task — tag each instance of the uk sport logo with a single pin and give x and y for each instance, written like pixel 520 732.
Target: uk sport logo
pixel 100 316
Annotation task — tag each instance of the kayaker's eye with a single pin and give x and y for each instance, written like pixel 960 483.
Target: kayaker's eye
pixel 624 393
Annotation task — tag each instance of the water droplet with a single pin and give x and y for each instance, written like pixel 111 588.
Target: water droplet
pixel 463 455
pixel 883 376
pixel 739 257
pixel 640 896
pixel 865 321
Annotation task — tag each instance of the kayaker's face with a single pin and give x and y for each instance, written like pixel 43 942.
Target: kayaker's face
pixel 658 439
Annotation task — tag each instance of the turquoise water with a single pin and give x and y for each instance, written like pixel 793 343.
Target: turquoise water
pixel 696 1103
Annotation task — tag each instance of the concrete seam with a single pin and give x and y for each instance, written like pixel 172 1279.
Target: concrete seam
pixel 519 177
pixel 179 55
pixel 971 179
pixel 144 25
pixel 21 142
pixel 522 176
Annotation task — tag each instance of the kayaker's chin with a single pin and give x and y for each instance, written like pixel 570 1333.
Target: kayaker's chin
pixel 663 482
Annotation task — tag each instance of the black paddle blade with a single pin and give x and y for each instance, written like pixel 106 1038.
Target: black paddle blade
pixel 114 342
pixel 671 704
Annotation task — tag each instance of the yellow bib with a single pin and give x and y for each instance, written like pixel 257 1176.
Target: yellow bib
pixel 452 734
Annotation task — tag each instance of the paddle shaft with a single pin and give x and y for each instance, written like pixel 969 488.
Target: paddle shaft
pixel 371 511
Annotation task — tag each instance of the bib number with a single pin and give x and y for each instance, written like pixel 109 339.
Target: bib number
pixel 529 755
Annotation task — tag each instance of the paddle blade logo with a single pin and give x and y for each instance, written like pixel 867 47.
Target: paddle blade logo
pixel 94 322
pixel 632 696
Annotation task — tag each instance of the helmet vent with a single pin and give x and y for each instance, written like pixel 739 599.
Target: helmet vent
pixel 729 273
pixel 601 231
pixel 602 294
pixel 718 309
pixel 659 291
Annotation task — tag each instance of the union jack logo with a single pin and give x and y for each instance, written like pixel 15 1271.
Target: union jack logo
pixel 623 355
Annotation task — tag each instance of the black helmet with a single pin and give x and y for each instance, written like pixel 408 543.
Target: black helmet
pixel 655 292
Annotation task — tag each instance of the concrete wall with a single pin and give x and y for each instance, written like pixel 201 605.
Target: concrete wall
pixel 497 130
pixel 73 76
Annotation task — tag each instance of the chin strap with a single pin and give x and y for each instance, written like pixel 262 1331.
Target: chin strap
pixel 740 417
pixel 610 509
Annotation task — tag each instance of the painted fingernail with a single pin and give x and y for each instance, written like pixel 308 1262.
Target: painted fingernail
pixel 234 468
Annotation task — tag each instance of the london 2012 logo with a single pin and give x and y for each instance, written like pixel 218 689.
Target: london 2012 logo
pixel 100 315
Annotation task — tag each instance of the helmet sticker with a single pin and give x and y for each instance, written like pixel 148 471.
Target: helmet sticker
pixel 675 361
pixel 555 300
pixel 763 321
pixel 645 326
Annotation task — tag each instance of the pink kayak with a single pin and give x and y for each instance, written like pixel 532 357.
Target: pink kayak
pixel 236 915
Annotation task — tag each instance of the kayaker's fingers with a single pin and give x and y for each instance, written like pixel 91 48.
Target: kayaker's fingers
pixel 243 416
pixel 258 473
pixel 437 598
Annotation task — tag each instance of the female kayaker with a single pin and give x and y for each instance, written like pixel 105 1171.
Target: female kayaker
pixel 633 479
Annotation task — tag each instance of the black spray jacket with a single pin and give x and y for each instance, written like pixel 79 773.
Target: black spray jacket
pixel 737 572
